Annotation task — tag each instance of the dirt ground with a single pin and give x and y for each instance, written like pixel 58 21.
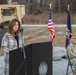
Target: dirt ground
pixel 40 34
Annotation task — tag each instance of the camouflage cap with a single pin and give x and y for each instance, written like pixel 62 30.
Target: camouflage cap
pixel 75 36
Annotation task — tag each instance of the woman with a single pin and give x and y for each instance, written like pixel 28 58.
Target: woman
pixel 11 41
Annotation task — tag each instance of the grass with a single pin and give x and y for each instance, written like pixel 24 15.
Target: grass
pixel 35 35
pixel 58 18
pixel 40 34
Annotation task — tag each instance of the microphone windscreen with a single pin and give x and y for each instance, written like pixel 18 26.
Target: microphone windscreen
pixel 21 29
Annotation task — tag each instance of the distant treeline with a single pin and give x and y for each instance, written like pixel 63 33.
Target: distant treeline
pixel 40 6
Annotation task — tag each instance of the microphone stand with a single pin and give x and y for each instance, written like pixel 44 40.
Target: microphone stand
pixel 21 30
pixel 22 48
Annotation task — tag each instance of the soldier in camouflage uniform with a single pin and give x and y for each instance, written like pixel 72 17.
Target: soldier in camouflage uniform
pixel 71 51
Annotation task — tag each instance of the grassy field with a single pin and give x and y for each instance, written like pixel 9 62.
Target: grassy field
pixel 40 34
pixel 58 18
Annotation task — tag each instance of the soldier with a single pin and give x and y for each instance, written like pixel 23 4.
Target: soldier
pixel 71 52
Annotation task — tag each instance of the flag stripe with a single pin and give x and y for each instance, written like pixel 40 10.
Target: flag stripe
pixel 51 29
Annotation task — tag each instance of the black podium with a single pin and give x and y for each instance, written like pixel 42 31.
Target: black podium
pixel 16 62
pixel 39 58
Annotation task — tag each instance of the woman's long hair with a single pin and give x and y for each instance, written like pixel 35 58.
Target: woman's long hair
pixel 11 25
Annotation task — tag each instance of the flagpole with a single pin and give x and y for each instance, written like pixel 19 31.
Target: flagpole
pixel 50 5
pixel 68 30
pixel 68 7
pixel 51 28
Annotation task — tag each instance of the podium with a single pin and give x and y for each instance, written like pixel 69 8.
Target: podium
pixel 39 58
pixel 16 62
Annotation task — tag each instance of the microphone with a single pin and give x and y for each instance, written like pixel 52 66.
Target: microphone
pixel 22 48
pixel 21 29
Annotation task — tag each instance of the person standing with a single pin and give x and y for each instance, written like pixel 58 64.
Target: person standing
pixel 11 41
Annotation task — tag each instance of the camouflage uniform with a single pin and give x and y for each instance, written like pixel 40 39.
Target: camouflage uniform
pixel 71 51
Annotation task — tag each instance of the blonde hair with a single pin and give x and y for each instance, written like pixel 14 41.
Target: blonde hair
pixel 11 25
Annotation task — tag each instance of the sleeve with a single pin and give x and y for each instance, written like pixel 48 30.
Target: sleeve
pixel 70 53
pixel 4 44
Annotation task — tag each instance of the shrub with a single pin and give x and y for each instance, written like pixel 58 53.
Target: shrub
pixel 59 18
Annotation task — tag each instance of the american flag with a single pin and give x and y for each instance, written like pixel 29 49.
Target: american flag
pixel 51 28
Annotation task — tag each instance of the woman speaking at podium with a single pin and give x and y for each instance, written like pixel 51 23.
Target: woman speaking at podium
pixel 11 41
